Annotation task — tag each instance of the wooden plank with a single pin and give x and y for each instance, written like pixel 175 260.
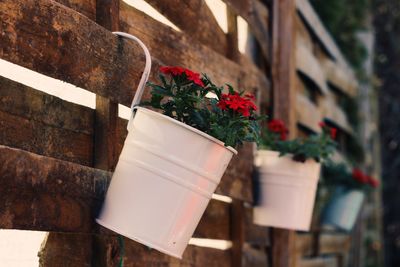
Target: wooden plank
pixel 336 115
pixel 319 262
pixel 22 101
pixel 65 250
pixel 45 194
pixel 334 243
pixel 284 99
pixel 339 77
pixel 197 21
pixel 64 44
pixel 307 113
pixel 86 7
pixel 237 232
pixel 44 124
pixel 105 137
pixel 254 257
pixel 137 255
pixel 236 181
pixel 177 48
pixel 257 16
pixel 216 216
pixel 44 140
pixel 308 64
pixel 316 26
pixel 255 235
pixel 305 244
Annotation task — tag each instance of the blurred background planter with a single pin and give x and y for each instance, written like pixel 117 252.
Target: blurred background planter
pixel 343 208
pixel 286 191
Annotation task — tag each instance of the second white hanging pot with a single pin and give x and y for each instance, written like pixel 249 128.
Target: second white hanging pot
pixel 286 190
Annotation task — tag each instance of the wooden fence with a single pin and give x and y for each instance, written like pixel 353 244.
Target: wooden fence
pixel 56 157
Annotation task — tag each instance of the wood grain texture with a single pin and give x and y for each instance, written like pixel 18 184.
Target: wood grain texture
pixel 85 7
pixel 177 48
pixel 254 257
pixel 45 194
pixel 308 114
pixel 319 262
pixel 255 235
pixel 66 45
pixel 137 255
pixel 284 99
pixel 308 64
pixel 256 15
pixel 197 21
pixel 44 124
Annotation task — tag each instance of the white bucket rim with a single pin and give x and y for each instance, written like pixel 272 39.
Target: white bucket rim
pixel 190 128
pixel 287 155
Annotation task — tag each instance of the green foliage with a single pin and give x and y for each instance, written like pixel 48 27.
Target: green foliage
pixel 341 175
pixel 188 102
pixel 319 147
pixel 343 20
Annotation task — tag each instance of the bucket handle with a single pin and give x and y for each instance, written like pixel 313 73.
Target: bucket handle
pixel 146 72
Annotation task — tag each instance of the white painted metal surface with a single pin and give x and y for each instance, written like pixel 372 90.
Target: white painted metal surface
pixel 287 191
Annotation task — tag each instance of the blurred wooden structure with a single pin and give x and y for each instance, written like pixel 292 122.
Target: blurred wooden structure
pixel 56 157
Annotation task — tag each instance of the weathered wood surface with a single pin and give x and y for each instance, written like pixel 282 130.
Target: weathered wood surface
pixel 329 243
pixel 308 114
pixel 45 194
pixel 284 99
pixel 44 124
pixel 137 255
pixel 308 64
pixel 255 235
pixel 338 77
pixel 336 115
pixel 319 262
pixel 254 257
pixel 70 47
pixel 334 243
pixel 310 17
pixel 195 18
pixel 257 16
pixel 177 48
pixel 64 250
pixel 86 7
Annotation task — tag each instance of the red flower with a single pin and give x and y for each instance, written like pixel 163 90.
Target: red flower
pixel 322 124
pixel 177 71
pixel 333 133
pixel 278 126
pixel 373 182
pixel 359 176
pixel 237 103
pixel 174 71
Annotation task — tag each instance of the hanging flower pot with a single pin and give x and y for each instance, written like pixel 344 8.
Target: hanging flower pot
pixel 288 177
pixel 343 208
pixel 287 191
pixel 349 190
pixel 168 170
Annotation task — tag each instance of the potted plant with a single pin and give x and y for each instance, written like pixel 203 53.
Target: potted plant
pixel 346 201
pixel 172 161
pixel 288 173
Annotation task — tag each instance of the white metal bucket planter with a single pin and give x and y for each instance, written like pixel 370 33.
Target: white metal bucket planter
pixel 287 191
pixel 343 208
pixel 164 179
